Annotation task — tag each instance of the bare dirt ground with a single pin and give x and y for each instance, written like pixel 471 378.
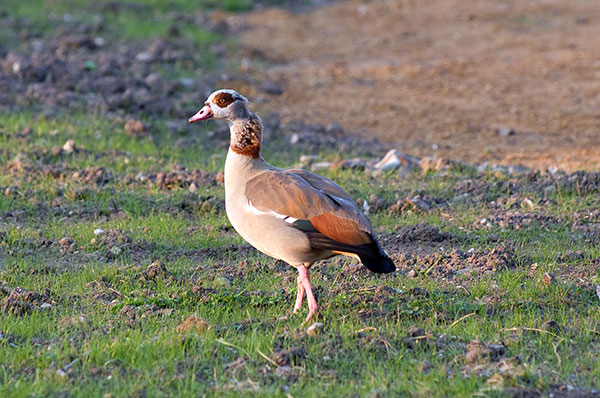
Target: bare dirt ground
pixel 499 81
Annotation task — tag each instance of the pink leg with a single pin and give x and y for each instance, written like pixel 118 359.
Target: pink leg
pixel 299 296
pixel 304 281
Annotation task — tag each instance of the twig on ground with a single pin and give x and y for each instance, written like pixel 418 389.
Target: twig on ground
pixel 221 341
pixel 462 318
pixel 521 328
pixel 267 358
pixel 554 345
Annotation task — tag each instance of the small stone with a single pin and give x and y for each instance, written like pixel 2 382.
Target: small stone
pixel 548 279
pixel 128 312
pixel 308 159
pixel 135 128
pixel 220 178
pixel 69 147
pixel 292 355
pixel 245 64
pixel 98 231
pixel 362 9
pixel 206 206
pixel 154 80
pixel 314 329
pixel 436 164
pixel 294 138
pixel 528 203
pixel 192 324
pixel 270 87
pixel 61 373
pixel 389 161
pixel 365 207
pixel 144 57
pixel 65 242
pixel 284 371
pixel 321 166
pixel 394 159
pixel 221 281
pixel 376 202
pixel 90 65
pixel 187 82
pixel 99 41
pixel 37 45
pixel 553 170
pixel 355 164
pixel 334 129
pixel 496 380
pixel 411 274
pixel 416 331
pixel 476 352
pixel 505 131
pixel 55 150
pixel 549 189
pixel 193 187
pixel 518 169
pixel 156 269
pixel 45 305
pixel 26 131
pixel 116 250
pixel 496 351
pixel 417 204
pixel 598 291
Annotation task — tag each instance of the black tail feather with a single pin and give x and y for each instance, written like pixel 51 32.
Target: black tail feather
pixel 380 263
pixel 371 255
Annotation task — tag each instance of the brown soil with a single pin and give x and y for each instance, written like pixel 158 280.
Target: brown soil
pixel 507 81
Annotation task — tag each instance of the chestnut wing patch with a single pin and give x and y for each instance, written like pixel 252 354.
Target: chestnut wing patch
pixel 327 207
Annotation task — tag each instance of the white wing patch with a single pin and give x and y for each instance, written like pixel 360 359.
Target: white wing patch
pixel 283 217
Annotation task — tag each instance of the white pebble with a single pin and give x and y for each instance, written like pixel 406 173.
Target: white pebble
pixel 314 329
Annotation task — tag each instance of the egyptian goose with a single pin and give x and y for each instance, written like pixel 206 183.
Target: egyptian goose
pixel 291 214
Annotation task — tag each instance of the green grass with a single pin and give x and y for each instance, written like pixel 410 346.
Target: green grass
pixel 130 19
pixel 363 349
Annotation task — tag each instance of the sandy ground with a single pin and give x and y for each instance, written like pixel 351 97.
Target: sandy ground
pixel 514 82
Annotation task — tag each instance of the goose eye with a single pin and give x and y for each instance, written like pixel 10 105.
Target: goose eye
pixel 221 101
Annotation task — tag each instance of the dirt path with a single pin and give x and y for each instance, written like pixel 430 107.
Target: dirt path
pixel 499 81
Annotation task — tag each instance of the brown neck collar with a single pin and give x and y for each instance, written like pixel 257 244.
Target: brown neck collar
pixel 246 136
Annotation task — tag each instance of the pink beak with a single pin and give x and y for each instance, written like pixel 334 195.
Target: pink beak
pixel 203 114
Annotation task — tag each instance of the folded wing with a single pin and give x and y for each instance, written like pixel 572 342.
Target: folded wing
pixel 321 209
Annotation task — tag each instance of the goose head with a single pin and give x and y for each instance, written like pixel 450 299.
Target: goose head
pixel 223 104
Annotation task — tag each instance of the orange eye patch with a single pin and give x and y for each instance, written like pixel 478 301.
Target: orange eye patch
pixel 223 99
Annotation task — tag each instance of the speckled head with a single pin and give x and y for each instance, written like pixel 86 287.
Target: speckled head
pixel 245 126
pixel 223 104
